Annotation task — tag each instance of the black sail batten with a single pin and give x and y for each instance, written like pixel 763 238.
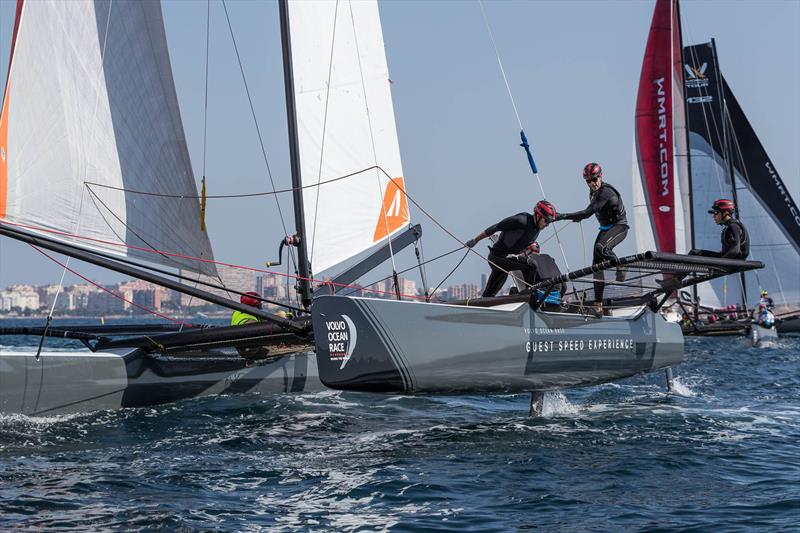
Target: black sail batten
pixel 123 268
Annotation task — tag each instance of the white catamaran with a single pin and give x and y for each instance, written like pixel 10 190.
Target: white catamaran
pixel 90 123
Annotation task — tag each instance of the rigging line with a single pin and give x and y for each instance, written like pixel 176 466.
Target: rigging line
pixel 191 297
pixel 112 293
pixel 406 270
pixel 454 269
pixel 583 242
pixel 205 99
pixel 716 133
pixel 60 282
pixel 231 265
pixel 519 122
pixel 372 138
pixel 255 120
pixel 204 260
pixel 433 219
pixel 777 278
pixel 150 246
pixel 324 129
pixel 500 63
pixel 231 196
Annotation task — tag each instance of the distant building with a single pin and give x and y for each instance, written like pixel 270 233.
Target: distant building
pixel 385 289
pixel 104 303
pixel 19 296
pixel 237 279
pixel 463 291
pixel 273 287
pixel 53 293
pixel 141 296
pixel 78 296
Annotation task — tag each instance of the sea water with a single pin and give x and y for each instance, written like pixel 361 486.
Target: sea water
pixel 722 452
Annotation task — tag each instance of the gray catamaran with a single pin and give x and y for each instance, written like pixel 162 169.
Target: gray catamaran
pixel 716 154
pixel 94 166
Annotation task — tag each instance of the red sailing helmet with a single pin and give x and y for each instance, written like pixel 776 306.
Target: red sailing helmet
pixel 546 210
pixel 250 298
pixel 722 205
pixel 533 247
pixel 592 171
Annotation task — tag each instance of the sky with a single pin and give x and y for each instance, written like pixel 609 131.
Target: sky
pixel 573 68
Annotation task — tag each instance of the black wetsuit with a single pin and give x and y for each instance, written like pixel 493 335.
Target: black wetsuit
pixel 517 232
pixel 735 242
pixel 606 204
pixel 543 267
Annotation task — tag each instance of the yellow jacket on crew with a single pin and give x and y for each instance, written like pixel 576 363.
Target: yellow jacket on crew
pixel 239 318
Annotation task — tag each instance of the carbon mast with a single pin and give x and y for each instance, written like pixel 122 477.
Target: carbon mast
pixel 695 308
pixel 304 272
pixel 728 148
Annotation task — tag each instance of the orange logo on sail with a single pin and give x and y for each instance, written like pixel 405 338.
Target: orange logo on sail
pixel 394 213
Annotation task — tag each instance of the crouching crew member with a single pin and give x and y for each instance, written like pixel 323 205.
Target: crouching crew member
pixel 542 266
pixel 517 232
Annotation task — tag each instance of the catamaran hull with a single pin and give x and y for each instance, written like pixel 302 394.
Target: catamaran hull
pixel 69 382
pixel 789 326
pixel 408 347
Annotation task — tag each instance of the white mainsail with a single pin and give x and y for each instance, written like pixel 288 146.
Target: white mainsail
pixel 90 111
pixel 345 125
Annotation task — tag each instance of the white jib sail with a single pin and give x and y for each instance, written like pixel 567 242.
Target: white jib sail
pixel 90 111
pixel 345 125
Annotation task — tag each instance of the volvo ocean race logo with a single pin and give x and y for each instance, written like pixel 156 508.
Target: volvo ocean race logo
pixel 342 337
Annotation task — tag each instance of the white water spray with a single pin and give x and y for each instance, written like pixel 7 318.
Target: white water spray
pixel 681 389
pixel 555 404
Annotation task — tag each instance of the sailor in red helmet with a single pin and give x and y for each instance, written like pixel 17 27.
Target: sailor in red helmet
pixel 605 202
pixel 735 240
pixel 240 318
pixel 516 233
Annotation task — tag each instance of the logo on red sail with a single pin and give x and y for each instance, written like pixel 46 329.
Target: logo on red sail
pixel 663 136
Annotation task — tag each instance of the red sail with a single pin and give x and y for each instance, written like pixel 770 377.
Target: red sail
pixel 654 123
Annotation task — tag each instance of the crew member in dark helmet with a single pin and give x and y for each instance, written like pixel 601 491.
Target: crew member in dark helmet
pixel 542 267
pixel 735 240
pixel 605 202
pixel 516 233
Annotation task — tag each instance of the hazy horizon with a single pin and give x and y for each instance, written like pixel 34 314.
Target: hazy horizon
pixel 573 68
